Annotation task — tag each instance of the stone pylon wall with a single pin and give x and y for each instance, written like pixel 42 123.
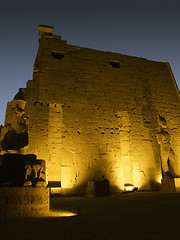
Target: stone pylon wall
pixel 93 115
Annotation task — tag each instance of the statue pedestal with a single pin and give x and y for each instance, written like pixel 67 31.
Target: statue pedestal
pixel 170 185
pixel 24 201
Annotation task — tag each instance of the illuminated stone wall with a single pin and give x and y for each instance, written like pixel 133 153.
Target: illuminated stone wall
pixel 93 115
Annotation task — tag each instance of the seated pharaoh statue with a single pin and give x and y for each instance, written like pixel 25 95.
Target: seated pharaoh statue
pixel 17 168
pixel 14 133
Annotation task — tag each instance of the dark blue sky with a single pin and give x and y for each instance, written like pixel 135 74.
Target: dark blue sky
pixel 149 29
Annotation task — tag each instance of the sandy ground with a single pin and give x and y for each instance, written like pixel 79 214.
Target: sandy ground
pixel 127 216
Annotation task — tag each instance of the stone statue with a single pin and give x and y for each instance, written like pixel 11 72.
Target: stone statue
pixel 14 134
pixel 163 139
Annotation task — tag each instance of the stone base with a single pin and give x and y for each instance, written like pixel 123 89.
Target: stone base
pixel 170 185
pixel 102 188
pixel 24 201
pixel 90 191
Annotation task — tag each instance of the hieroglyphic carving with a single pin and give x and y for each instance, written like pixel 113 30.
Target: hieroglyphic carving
pixel 35 173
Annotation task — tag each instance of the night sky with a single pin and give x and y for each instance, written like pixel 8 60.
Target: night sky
pixel 148 29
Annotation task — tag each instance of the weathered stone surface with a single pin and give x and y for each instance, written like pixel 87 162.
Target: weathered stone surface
pixel 24 201
pixel 35 172
pixel 94 114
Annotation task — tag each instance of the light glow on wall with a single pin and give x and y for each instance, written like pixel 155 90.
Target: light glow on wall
pixel 159 179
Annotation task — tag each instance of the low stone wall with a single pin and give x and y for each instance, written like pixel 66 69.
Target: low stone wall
pixel 24 201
